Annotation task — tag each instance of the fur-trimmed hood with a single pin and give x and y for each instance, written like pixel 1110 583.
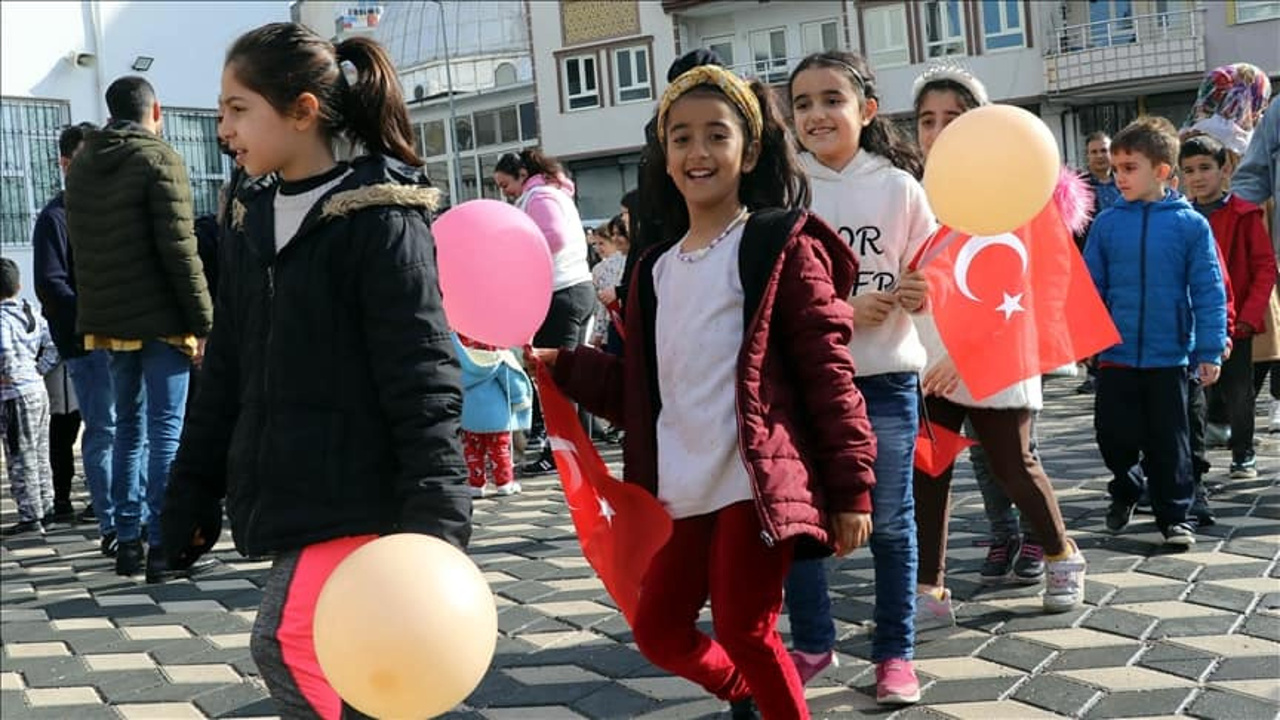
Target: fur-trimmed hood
pixel 374 181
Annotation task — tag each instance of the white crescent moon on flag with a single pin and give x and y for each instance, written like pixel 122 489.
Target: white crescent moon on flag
pixel 977 245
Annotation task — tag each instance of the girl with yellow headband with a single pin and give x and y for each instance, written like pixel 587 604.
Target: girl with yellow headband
pixel 736 391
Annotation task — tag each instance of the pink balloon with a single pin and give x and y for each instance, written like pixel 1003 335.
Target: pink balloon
pixel 495 272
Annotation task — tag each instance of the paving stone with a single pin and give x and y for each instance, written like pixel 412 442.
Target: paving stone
pixel 1057 694
pixel 1179 627
pixel 1103 657
pixel 1004 710
pixel 1221 597
pixel 963 669
pixel 971 690
pixel 11 681
pixel 160 711
pixel 119 661
pixel 1139 704
pixel 1232 645
pixel 1075 638
pixel 615 701
pixel 49 672
pixel 50 697
pixel 1220 705
pixel 244 699
pixel 963 643
pixel 1178 660
pixel 1170 567
pixel 1120 622
pixel 36 650
pixel 200 674
pixel 1126 678
pixel 1247 668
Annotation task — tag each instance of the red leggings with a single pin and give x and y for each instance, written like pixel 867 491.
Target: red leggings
pixel 485 453
pixel 722 556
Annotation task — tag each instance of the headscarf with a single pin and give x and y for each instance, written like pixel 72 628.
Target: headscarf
pixel 734 87
pixel 1229 104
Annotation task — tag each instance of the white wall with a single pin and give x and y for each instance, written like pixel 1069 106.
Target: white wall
pixel 740 21
pixel 598 131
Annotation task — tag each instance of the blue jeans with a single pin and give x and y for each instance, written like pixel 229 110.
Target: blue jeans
pixel 893 406
pixel 150 384
pixel 91 377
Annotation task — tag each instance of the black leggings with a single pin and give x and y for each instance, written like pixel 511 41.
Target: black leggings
pixel 564 328
pixel 1260 372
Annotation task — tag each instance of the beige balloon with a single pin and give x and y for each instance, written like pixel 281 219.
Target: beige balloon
pixel 992 170
pixel 405 627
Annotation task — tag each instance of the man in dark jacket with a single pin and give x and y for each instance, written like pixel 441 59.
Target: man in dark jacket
pixel 55 285
pixel 142 296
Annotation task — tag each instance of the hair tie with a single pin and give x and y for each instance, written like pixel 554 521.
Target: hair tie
pixel 734 87
pixel 349 72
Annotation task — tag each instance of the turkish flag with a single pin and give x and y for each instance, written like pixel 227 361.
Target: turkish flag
pixel 937 448
pixel 620 526
pixel 1013 306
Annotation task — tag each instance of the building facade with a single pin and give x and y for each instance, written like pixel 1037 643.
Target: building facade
pixel 56 61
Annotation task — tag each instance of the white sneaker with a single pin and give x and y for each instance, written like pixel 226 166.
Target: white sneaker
pixel 1064 582
pixel 1274 425
pixel 511 488
pixel 933 612
pixel 478 492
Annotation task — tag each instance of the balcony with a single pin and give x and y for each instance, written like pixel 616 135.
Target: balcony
pixel 1124 52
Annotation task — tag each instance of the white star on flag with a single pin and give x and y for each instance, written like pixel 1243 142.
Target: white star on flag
pixel 606 510
pixel 1012 304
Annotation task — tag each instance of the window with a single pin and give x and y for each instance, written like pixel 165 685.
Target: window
pixel 508 130
pixel 528 121
pixel 886 30
pixel 486 128
pixel 1111 23
pixel 631 74
pixel 581 91
pixel 438 174
pixel 504 74
pixel 433 138
pixel 194 135
pixel 462 134
pixel 470 188
pixel 769 53
pixel 1254 10
pixel 722 46
pixel 29 173
pixel 1002 24
pixel 820 36
pixel 943 28
pixel 488 188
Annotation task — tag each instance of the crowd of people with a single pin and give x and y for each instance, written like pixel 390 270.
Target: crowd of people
pixel 751 326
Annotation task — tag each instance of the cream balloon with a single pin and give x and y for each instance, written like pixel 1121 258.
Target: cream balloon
pixel 405 627
pixel 992 170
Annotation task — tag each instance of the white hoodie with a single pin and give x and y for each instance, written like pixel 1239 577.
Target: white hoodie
pixel 883 214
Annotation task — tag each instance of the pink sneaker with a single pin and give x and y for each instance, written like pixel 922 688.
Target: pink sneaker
pixel 896 683
pixel 810 665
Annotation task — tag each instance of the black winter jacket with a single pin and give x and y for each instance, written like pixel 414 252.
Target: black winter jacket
pixel 55 278
pixel 330 394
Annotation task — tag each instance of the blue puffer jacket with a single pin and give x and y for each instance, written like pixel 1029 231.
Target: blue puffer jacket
pixel 496 393
pixel 1156 268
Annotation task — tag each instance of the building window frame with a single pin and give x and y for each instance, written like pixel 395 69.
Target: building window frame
pixel 193 134
pixel 29 171
pixel 711 42
pixel 772 69
pixel 585 94
pixel 820 25
pixel 946 44
pixel 877 57
pixel 1250 11
pixel 1005 29
pixel 630 94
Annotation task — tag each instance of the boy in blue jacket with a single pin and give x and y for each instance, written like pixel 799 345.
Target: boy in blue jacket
pixel 497 398
pixel 1154 262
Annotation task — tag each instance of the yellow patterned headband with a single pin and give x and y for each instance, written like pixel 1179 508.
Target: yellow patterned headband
pixel 737 90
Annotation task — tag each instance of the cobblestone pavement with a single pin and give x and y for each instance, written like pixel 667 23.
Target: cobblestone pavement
pixel 1163 634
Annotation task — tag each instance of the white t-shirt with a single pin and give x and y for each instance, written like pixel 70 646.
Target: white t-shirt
pixel 698 333
pixel 883 214
pixel 291 210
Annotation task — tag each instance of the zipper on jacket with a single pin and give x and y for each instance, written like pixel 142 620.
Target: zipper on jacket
pixel 1142 281
pixel 266 389
pixel 768 533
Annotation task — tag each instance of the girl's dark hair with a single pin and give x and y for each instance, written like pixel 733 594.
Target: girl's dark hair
pixel 776 181
pixel 880 136
pixel 533 162
pixel 963 94
pixel 616 226
pixel 281 61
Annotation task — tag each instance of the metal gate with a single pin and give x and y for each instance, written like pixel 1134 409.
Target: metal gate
pixel 29 173
pixel 194 134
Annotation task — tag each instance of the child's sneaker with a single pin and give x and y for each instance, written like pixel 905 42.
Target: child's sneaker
pixel 478 491
pixel 1119 514
pixel 511 488
pixel 933 611
pixel 1179 536
pixel 25 526
pixel 999 562
pixel 896 683
pixel 811 665
pixel 1064 581
pixel 1274 424
pixel 1246 469
pixel 1028 569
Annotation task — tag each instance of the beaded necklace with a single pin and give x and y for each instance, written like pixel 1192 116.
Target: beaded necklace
pixel 696 255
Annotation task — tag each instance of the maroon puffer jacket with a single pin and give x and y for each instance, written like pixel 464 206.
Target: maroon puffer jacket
pixel 802 424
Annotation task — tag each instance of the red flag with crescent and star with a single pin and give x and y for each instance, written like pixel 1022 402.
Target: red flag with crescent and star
pixel 620 526
pixel 1013 306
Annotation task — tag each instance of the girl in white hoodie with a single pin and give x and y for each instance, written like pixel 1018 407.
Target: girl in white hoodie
pixel 864 179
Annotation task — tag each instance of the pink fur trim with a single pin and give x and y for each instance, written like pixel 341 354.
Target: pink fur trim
pixel 1074 199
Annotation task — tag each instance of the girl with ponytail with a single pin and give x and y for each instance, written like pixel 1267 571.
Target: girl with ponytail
pixel 328 411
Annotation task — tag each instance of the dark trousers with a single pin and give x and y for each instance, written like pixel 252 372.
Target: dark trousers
pixel 1235 390
pixel 1196 409
pixel 1260 372
pixel 564 328
pixel 63 431
pixel 1142 413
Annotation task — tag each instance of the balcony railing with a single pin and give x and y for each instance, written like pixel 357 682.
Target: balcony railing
pixel 1116 32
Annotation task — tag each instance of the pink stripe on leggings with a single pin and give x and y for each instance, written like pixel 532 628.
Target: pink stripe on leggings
pixel 297 646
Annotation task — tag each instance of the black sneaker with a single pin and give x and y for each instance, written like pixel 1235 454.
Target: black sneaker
pixel 1200 511
pixel 129 557
pixel 158 568
pixel 999 562
pixel 87 515
pixel 1028 569
pixel 541 466
pixel 63 513
pixel 25 526
pixel 1180 535
pixel 109 545
pixel 744 709
pixel 1119 514
pixel 1088 387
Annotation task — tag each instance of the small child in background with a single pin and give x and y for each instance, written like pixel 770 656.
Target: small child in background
pixel 610 241
pixel 26 355
pixel 497 399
